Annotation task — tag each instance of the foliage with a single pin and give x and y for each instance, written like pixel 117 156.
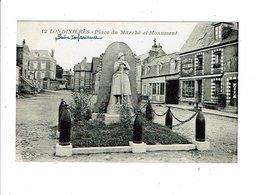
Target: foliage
pixel 125 114
pixel 81 106
pixel 96 134
pixel 59 71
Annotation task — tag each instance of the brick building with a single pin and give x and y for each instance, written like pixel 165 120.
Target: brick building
pixel 209 64
pixel 144 59
pixel 83 76
pixel 160 79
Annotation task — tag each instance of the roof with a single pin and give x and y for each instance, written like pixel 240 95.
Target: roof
pixel 203 36
pixel 39 54
pixel 83 66
pixel 143 56
pixel 165 62
pixel 67 72
pixel 26 47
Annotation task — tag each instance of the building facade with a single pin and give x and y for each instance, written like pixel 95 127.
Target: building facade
pixel 160 79
pixel 23 83
pixel 83 76
pixel 42 67
pixel 68 75
pixel 209 65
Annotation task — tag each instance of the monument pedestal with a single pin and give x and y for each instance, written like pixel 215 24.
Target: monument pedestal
pixel 106 118
pixel 202 146
pixel 138 148
pixel 64 150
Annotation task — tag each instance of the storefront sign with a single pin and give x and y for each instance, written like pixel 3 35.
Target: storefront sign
pixel 187 65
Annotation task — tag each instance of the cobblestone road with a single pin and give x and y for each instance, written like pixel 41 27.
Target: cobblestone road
pixel 37 120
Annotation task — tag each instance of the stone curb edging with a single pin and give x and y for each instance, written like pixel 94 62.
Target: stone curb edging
pixel 127 149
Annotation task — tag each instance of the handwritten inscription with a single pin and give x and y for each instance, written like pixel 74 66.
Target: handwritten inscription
pixel 77 37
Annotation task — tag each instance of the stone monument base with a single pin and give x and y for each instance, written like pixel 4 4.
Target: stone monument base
pixel 64 150
pixel 202 146
pixel 138 148
pixel 106 118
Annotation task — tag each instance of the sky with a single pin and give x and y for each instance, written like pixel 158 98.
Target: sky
pixel 44 35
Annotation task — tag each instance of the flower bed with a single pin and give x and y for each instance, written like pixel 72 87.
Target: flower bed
pixel 97 134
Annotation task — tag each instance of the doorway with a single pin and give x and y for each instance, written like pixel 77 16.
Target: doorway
pixel 172 92
pixel 233 92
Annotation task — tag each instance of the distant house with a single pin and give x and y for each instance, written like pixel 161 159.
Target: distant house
pixel 42 67
pixel 68 75
pixel 209 64
pixel 83 76
pixel 159 79
pixel 23 82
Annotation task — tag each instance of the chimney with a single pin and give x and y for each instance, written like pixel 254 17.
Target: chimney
pixel 23 42
pixel 52 53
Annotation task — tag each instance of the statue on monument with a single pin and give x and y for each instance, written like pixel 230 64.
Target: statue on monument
pixel 121 85
pixel 120 88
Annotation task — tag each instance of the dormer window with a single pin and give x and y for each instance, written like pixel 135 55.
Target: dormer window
pixel 222 30
pixel 218 32
pixel 148 69
pixel 159 67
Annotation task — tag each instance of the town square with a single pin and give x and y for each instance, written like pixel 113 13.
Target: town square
pixel 119 105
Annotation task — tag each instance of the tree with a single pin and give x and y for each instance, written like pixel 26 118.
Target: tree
pixel 59 71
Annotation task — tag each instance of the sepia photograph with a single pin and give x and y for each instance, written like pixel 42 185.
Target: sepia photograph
pixel 127 98
pixel 127 91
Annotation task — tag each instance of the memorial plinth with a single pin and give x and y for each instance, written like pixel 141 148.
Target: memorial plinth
pixel 117 83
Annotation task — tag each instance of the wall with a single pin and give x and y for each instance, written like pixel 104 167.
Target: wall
pixel 187 65
pixel 207 62
pixel 230 58
pixel 207 90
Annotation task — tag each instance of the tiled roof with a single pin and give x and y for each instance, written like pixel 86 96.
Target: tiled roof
pixel 203 36
pixel 165 62
pixel 35 54
pixel 83 66
pixel 143 56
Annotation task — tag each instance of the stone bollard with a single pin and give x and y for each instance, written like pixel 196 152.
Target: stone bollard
pixel 200 141
pixel 137 128
pixel 138 146
pixel 64 147
pixel 149 111
pixel 61 106
pixel 65 126
pixel 169 119
pixel 200 127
